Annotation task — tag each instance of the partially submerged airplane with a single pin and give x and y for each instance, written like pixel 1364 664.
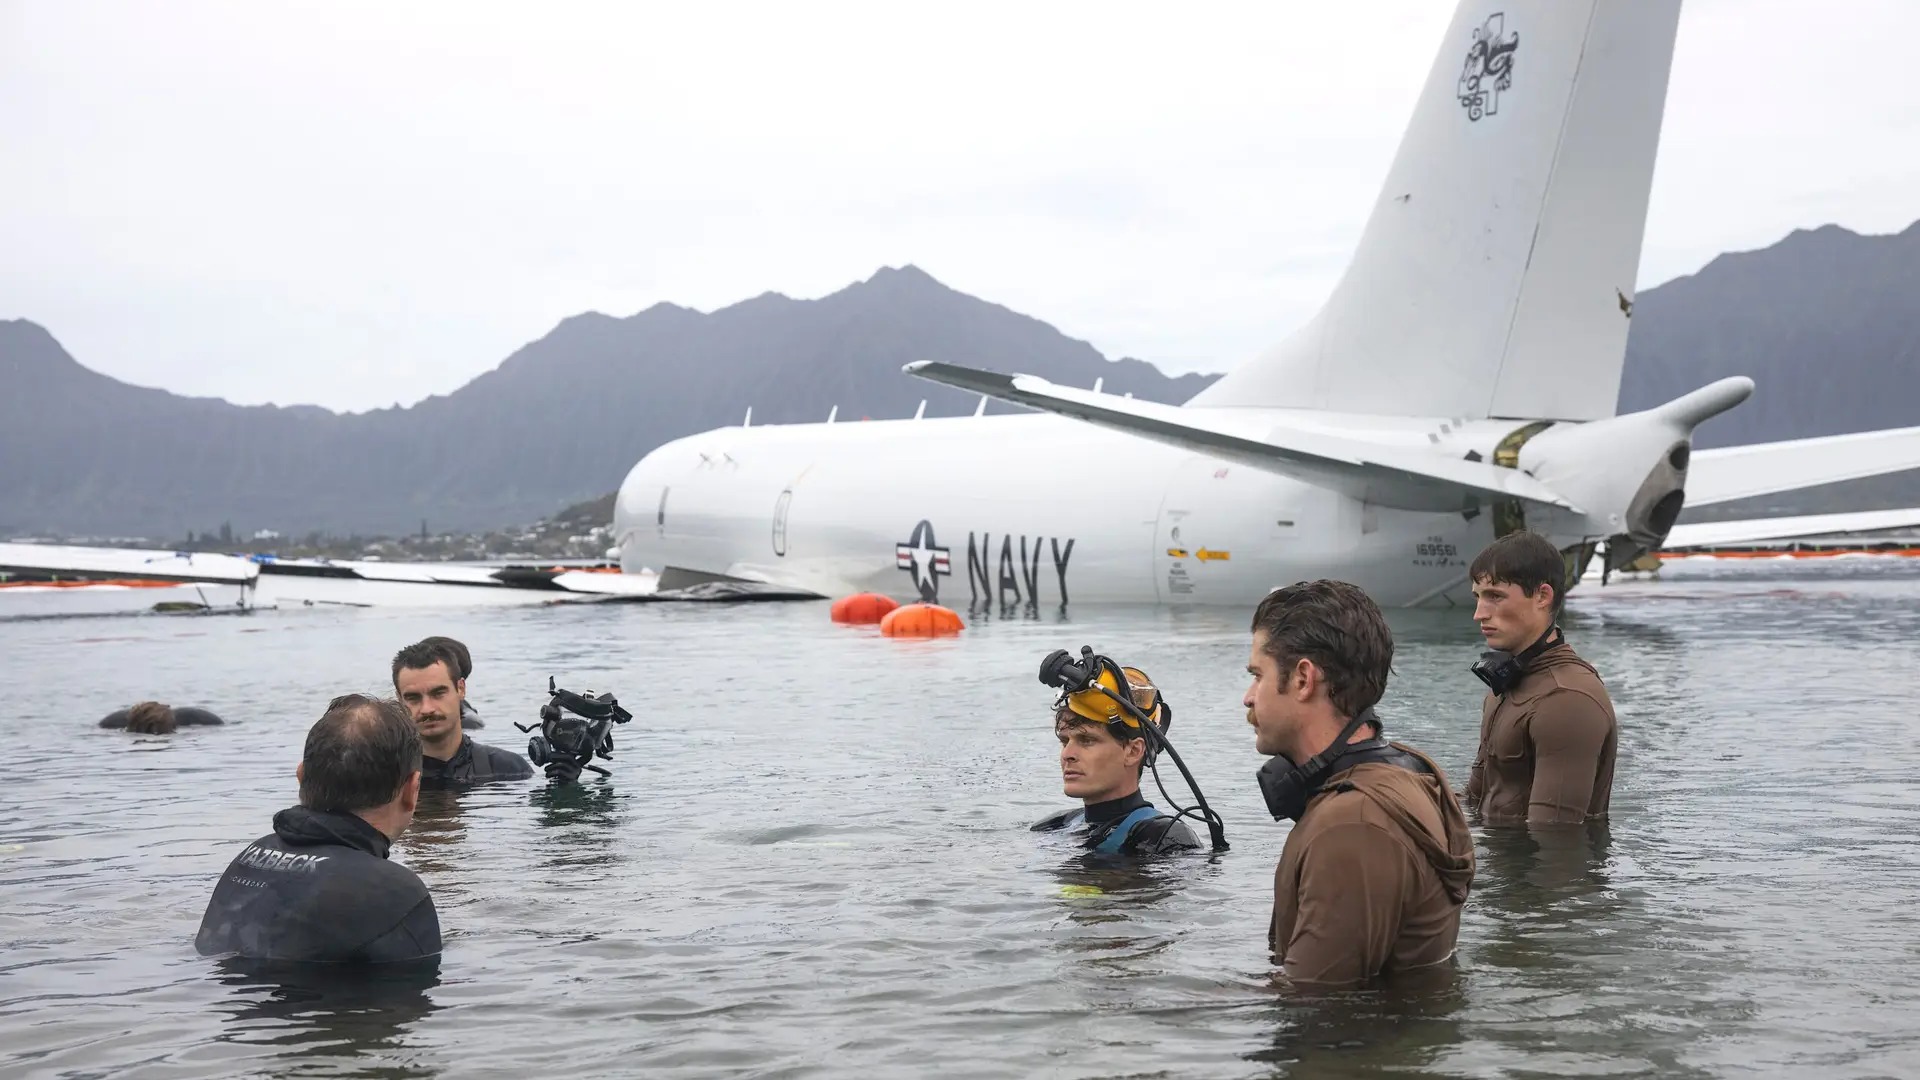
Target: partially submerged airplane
pixel 1459 384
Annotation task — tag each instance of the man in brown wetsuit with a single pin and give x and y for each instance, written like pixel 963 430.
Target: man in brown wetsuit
pixel 1378 864
pixel 1547 729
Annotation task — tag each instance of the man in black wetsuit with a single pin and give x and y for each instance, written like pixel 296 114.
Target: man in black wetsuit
pixel 427 679
pixel 1102 752
pixel 319 887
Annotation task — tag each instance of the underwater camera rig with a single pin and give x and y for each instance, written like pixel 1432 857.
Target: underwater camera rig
pixel 574 728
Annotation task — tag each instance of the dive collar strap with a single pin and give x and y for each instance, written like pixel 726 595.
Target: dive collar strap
pixel 1547 641
pixel 1377 751
pixel 1318 764
pixel 1287 788
pixel 1114 841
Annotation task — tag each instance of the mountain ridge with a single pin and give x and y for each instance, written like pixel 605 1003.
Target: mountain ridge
pixel 518 441
pixel 1820 319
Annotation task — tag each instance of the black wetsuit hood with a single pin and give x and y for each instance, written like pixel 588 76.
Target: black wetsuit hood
pixel 298 826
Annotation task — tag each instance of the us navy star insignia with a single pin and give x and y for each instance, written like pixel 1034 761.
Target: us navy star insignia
pixel 925 560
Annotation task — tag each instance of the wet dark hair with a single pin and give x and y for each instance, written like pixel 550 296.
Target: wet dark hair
pixel 1525 560
pixel 1064 717
pixel 151 718
pixel 1337 626
pixel 462 659
pixel 420 655
pixel 359 755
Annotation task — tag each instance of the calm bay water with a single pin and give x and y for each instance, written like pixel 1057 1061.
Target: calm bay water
pixel 812 857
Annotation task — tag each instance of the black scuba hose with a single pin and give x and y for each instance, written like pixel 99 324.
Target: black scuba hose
pixel 1216 828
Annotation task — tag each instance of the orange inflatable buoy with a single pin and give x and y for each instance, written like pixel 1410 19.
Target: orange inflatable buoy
pixel 921 620
pixel 863 607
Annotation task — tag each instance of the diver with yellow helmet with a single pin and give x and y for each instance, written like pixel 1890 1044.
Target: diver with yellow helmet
pixel 1107 739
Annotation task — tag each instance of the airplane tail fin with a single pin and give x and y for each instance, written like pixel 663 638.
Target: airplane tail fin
pixel 1495 276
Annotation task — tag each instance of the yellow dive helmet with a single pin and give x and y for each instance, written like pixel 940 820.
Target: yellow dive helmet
pixel 1100 708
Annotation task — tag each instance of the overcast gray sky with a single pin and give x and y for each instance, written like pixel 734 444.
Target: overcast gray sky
pixel 358 203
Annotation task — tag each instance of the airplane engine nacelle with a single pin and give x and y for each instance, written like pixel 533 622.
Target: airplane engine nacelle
pixel 1655 507
pixel 1628 474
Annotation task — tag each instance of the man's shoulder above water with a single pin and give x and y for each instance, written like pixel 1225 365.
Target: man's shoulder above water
pixel 1561 696
pixel 475 762
pixel 1373 877
pixel 1148 831
pixel 506 765
pixel 1388 797
pixel 319 888
pixel 1162 833
pixel 1557 671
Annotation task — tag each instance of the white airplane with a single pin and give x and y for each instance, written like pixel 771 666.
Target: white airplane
pixel 1458 384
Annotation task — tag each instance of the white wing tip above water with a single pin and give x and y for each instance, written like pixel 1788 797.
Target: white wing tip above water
pixel 1726 473
pixel 1754 530
pixel 132 563
pixel 373 582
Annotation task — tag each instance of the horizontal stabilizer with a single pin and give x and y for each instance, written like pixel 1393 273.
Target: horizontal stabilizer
pixel 1382 475
pixel 1739 472
pixel 1754 530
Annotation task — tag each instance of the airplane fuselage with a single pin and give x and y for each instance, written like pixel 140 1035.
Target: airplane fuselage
pixel 1033 511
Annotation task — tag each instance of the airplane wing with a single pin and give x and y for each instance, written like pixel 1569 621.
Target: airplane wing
pixel 107 564
pixel 371 583
pixel 350 581
pixel 1737 472
pixel 1387 476
pixel 1728 533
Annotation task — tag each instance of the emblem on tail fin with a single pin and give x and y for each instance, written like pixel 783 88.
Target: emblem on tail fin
pixel 1489 67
